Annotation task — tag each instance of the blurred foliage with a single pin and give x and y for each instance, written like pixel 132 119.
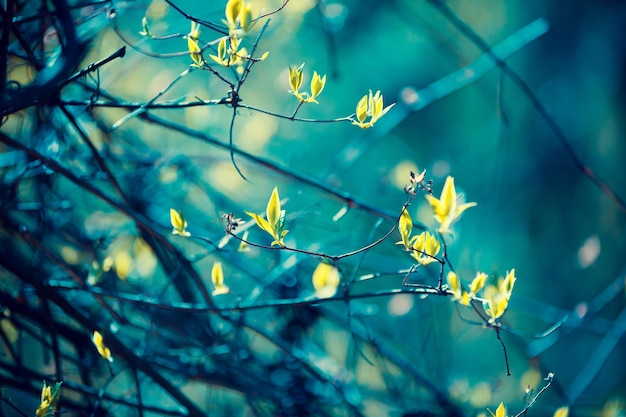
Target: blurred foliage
pixel 87 194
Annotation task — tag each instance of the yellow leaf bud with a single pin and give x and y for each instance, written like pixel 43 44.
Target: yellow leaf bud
pixel 325 279
pixel 104 351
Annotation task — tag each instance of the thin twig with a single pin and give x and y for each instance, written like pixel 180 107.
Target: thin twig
pixel 333 258
pixel 99 160
pixel 32 240
pixel 549 378
pixel 251 62
pixel 7 18
pixel 120 53
pixel 230 142
pixel 506 356
pixel 142 300
pixel 349 118
pixel 282 6
pixel 141 222
pixel 212 26
pixel 142 109
pixel 13 406
pixel 173 104
pixel 235 99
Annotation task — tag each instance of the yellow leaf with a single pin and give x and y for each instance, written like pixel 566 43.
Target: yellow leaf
pixel 49 398
pixel 445 207
pixel 455 284
pixel 477 283
pixel 217 277
pixel 179 224
pixel 243 246
pixel 42 410
pixel 145 28
pixel 123 264
pixel 264 56
pixel 501 410
pixel 218 60
pixel 104 351
pixel 361 109
pixel 194 51
pixel 192 44
pixel 261 222
pixel 107 264
pixel 495 303
pixel 562 412
pixel 273 209
pixel 217 274
pixel 425 248
pixel 233 8
pixel 385 110
pixel 405 226
pixel 274 223
pixel 448 199
pixel 460 209
pixel 326 279
pixel 377 105
pixel 370 105
pixel 7 326
pixel 194 33
pixel 221 49
pixel 506 286
pixel 246 17
pixel 233 45
pixel 295 78
pixel 458 292
pixel 299 75
pixel 465 299
pixel 317 85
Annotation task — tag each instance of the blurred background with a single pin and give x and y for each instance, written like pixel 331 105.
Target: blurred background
pixel 80 253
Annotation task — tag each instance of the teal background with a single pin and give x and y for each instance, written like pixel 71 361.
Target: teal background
pixel 537 211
